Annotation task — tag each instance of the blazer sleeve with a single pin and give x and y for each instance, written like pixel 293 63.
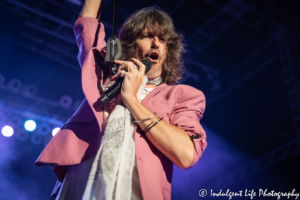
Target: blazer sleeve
pixel 89 34
pixel 186 115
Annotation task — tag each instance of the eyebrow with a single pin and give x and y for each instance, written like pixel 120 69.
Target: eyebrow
pixel 154 34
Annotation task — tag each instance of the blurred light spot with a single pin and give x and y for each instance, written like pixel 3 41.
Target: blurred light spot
pixel 30 89
pixel 30 125
pixel 44 129
pixel 22 135
pixel 15 121
pixel 37 139
pixel 54 131
pixel 7 131
pixel 15 85
pixel 65 101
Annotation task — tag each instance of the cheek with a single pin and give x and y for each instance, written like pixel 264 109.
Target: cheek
pixel 138 53
pixel 164 52
pixel 164 55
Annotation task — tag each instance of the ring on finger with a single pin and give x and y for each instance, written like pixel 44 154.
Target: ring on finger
pixel 122 73
pixel 135 67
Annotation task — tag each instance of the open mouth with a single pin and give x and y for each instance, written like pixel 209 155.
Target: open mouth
pixel 154 56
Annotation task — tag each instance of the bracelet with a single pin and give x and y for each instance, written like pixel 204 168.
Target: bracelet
pixel 194 137
pixel 152 124
pixel 145 118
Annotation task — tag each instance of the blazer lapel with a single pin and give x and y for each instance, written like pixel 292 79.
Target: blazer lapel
pixel 154 93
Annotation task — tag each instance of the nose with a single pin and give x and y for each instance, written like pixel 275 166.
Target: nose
pixel 155 42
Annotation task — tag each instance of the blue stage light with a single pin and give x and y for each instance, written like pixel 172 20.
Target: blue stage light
pixel 54 131
pixel 7 131
pixel 30 125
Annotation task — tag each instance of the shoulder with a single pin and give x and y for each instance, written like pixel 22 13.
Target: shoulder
pixel 184 92
pixel 88 25
pixel 176 102
pixel 86 21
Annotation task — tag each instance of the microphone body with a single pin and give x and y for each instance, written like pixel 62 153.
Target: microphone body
pixel 116 88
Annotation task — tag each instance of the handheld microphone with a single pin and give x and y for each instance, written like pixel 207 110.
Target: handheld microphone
pixel 116 88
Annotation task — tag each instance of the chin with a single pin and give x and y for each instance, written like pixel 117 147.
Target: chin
pixel 155 71
pixel 153 76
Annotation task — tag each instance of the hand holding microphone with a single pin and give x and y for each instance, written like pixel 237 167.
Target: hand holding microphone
pixel 131 81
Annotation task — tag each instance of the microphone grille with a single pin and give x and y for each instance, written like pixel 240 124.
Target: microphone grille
pixel 147 63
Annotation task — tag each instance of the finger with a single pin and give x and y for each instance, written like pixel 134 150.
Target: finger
pixel 118 74
pixel 131 67
pixel 124 74
pixel 141 66
pixel 123 67
pixel 120 62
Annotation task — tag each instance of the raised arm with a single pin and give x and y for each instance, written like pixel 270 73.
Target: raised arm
pixel 91 8
pixel 88 31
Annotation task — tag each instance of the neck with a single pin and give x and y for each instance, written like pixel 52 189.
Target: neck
pixel 150 86
pixel 156 81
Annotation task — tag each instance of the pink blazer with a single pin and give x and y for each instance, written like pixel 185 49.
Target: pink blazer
pixel 80 137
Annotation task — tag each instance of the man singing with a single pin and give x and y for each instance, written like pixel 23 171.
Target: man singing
pixel 126 149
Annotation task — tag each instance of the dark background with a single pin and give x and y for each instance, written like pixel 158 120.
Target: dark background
pixel 243 54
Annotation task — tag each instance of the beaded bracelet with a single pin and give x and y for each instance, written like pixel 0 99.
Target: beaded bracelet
pixel 145 118
pixel 152 124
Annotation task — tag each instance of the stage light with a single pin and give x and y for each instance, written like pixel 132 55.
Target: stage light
pixel 30 125
pixel 22 135
pixel 44 129
pixel 7 131
pixel 55 130
pixel 30 90
pixel 15 85
pixel 66 101
pixel 36 139
pixel 15 121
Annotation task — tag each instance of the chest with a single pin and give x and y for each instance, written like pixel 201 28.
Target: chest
pixel 163 107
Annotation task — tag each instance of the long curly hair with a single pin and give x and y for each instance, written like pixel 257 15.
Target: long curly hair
pixel 160 23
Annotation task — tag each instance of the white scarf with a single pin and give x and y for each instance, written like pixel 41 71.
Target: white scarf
pixel 113 173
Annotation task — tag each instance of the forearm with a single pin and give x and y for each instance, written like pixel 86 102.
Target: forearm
pixel 91 8
pixel 172 141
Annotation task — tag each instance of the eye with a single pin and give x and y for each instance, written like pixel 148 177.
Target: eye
pixel 145 36
pixel 162 40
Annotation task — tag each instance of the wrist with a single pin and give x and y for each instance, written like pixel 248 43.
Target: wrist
pixel 129 98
